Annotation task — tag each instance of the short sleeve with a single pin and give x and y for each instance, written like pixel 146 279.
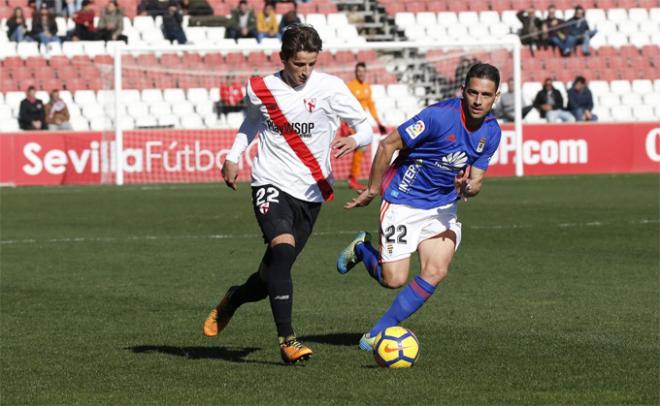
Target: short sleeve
pixel 492 145
pixel 346 105
pixel 419 127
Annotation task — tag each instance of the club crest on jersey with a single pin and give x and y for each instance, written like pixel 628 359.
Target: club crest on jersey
pixel 415 129
pixel 264 208
pixel 482 144
pixel 310 104
pixel 454 161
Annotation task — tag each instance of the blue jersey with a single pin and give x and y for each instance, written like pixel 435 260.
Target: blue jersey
pixel 437 147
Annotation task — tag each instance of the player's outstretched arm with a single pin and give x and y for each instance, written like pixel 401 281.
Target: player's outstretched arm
pixel 230 173
pixel 384 154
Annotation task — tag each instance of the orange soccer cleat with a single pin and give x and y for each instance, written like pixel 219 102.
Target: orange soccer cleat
pixel 220 316
pixel 293 350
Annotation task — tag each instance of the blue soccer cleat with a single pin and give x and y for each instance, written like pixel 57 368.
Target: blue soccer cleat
pixel 347 257
pixel 367 342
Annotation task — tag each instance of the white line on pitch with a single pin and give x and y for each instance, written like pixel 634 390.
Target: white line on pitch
pixel 319 233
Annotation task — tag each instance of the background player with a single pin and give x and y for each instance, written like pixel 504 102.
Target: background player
pixel 362 91
pixel 296 111
pixel 443 156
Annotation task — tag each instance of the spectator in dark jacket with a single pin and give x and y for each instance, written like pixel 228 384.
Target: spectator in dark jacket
pixel 530 33
pixel 84 19
pixel 290 18
pixel 31 115
pixel 44 27
pixel 152 8
pixel 16 27
pixel 553 29
pixel 577 31
pixel 242 23
pixel 580 101
pixel 550 104
pixel 172 24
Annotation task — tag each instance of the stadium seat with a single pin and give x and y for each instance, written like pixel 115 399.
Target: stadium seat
pixel 160 108
pixel 316 20
pixel 631 99
pixel 196 35
pixel 138 109
pixel 405 20
pixel 145 121
pixel 446 18
pixel 92 110
pixel 652 99
pixel 620 87
pixel 639 39
pixel 617 15
pixel 416 32
pixel 489 17
pixel 426 19
pixel 83 97
pixel 9 126
pixel 204 108
pixel 144 24
pixel 642 86
pixel 530 89
pixel 27 49
pixel 79 124
pixel 100 124
pixel 174 95
pixel 609 100
pixel 151 95
pixel 183 108
pixel 638 15
pixel 594 16
pixel 478 31
pixel 510 19
pixel 168 121
pixel 468 18
pixel 193 121
pixel 628 28
pixel 617 39
pixel 337 20
pixel 644 112
pixel 621 113
pixel 52 49
pixel 72 48
pixel 5 112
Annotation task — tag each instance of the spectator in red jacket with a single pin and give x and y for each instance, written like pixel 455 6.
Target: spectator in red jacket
pixel 84 19
pixel 231 97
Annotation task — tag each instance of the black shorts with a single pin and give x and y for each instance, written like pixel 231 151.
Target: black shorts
pixel 279 213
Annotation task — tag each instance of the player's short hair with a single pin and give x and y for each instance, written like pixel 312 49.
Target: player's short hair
pixel 299 37
pixel 580 79
pixel 483 71
pixel 360 65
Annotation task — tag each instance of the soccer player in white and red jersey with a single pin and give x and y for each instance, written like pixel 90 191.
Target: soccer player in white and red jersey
pixel 296 113
pixel 444 153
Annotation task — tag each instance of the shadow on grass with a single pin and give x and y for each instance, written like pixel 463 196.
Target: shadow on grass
pixel 231 354
pixel 341 339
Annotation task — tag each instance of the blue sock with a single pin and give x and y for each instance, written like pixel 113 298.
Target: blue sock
pixel 407 302
pixel 369 256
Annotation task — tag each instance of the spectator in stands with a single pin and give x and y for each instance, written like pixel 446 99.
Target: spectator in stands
pixel 231 97
pixel 57 113
pixel 577 32
pixel 172 24
pixel 242 23
pixel 84 19
pixel 267 26
pixel 580 101
pixel 530 33
pixel 196 7
pixel 550 104
pixel 461 71
pixel 152 8
pixel 291 17
pixel 16 27
pixel 31 115
pixel 111 23
pixel 44 27
pixel 505 108
pixel 553 33
pixel 354 16
pixel 72 7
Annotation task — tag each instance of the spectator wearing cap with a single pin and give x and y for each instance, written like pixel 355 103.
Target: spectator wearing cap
pixel 242 23
pixel 580 101
pixel 550 104
pixel 289 18
pixel 577 32
pixel 44 27
pixel 16 26
pixel 267 26
pixel 57 113
pixel 84 19
pixel 111 23
pixel 31 114
pixel 173 24
pixel 530 33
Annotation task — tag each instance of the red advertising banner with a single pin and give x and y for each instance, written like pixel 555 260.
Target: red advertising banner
pixel 163 156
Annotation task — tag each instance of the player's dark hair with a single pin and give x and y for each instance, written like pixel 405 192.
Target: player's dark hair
pixel 483 71
pixel 300 37
pixel 580 79
pixel 360 65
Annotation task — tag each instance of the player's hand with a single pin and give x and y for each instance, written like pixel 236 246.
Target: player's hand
pixel 230 173
pixel 363 199
pixel 461 183
pixel 382 129
pixel 343 146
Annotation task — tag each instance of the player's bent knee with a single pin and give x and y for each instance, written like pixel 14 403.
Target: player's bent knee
pixel 283 239
pixel 434 274
pixel 394 280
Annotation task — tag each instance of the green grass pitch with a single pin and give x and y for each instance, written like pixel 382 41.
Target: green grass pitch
pixel 553 298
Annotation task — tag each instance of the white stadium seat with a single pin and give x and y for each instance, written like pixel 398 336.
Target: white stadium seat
pixel 130 96
pixel 5 112
pixel 644 113
pixel 606 27
pixel 639 39
pixel 415 32
pixel 468 17
pixel 599 87
pixel 509 18
pixel 204 108
pixel 194 121
pixel 234 120
pixel 426 19
pixel 160 108
pixel 489 17
pixel 397 90
pixel 631 99
pixel 72 48
pixel 638 15
pixel 316 20
pixel 93 48
pixel 27 49
pixel 146 121
pixel 79 124
pixel 498 30
pixel 100 124
pixel 9 126
pixel 446 18
pixel 92 110
pixel 196 35
pixel 618 15
pixel 617 40
pixel 196 95
pixel 642 86
pixel 337 20
pixel 609 100
pixel 652 99
pixel 530 89
pixel 169 120
pixel 628 27
pixel 404 20
pixel 595 16
pixel 620 87
pixel 649 27
pixel 151 95
pixel 138 109
pixel 183 108
pixel 457 32
pixel 478 31
pixel 378 92
pixel 622 113
pixel 144 23
pixel 83 97
pixel 174 95
pixel 43 96
pixel 14 99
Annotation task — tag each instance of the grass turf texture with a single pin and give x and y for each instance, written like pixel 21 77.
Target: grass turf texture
pixel 553 298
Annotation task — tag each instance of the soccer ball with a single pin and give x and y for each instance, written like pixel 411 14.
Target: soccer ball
pixel 396 347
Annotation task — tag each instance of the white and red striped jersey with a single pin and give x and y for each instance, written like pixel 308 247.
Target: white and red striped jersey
pixel 296 127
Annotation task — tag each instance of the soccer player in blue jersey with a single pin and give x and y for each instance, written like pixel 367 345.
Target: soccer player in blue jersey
pixel 443 157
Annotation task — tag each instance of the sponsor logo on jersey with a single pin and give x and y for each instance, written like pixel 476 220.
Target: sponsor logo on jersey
pixel 482 144
pixel 390 249
pixel 415 129
pixel 264 208
pixel 452 138
pixel 410 175
pixel 310 104
pixel 454 161
pixel 301 128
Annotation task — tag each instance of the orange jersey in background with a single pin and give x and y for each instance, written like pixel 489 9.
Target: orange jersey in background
pixel 362 92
